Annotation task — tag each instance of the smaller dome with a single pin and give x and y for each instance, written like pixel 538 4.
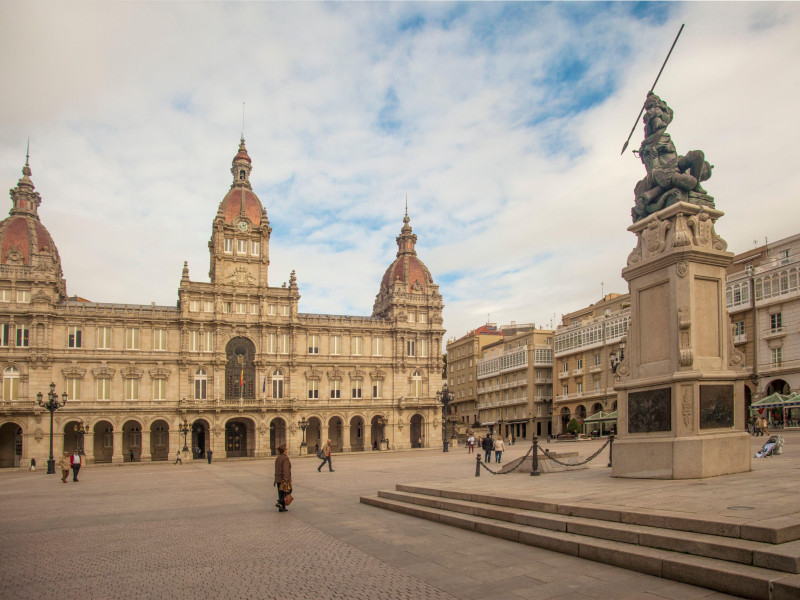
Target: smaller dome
pixel 241 201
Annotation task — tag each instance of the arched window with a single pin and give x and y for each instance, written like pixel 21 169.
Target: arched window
pixel 277 384
pixel 416 384
pixel 242 175
pixel 11 384
pixel 200 384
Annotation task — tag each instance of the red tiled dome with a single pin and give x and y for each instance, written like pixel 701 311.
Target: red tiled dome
pixel 417 272
pixel 232 205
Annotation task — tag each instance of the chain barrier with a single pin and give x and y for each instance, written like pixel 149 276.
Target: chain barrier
pixel 517 462
pixel 510 467
pixel 575 464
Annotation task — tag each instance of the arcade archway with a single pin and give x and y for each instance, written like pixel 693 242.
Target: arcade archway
pixel 10 445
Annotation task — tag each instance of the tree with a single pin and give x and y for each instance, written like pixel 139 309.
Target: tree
pixel 574 427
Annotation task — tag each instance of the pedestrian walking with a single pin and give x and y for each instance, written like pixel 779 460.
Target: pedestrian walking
pixel 75 462
pixel 470 444
pixel 178 458
pixel 513 439
pixel 326 457
pixel 209 454
pixel 132 458
pixel 65 463
pixel 488 446
pixel 283 478
pixel 498 449
pixel 33 464
pixel 197 452
pixel 764 426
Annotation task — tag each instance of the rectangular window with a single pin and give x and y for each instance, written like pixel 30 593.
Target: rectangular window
pixel 738 328
pixel 255 248
pixel 422 318
pixel 227 307
pixel 377 346
pixel 566 390
pixel 159 339
pixel 596 360
pixel 241 247
pixel 336 389
pixel 777 357
pixel 131 389
pixel 283 344
pixel 273 310
pixel 253 308
pixel 411 317
pixel 228 245
pixel 377 389
pixel 357 345
pixel 410 348
pixel 776 322
pixel 357 389
pixel 271 343
pixel 4 329
pixel 194 341
pixel 565 367
pixel 104 338
pixel 73 337
pixel 313 389
pixel 313 344
pixel 23 336
pixel 132 338
pixel 73 388
pixel 5 295
pixel 336 345
pixel 208 341
pixel 159 389
pixel 277 387
pixel 103 389
pixel 579 364
pixel 200 389
pixel 194 305
pixel 423 347
pixel 23 296
pixel 580 388
pixel 241 308
pixel 208 306
pixel 285 310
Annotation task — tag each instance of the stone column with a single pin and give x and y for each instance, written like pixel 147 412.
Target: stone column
pixel 145 455
pixel 346 438
pixel 88 446
pixel 117 454
pixel 681 387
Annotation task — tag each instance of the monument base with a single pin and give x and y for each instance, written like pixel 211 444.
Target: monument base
pixel 693 457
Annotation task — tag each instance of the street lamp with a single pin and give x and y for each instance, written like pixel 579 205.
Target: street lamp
pixel 615 362
pixel 383 422
pixel 444 396
pixel 81 429
pixel 184 429
pixel 303 424
pixel 52 405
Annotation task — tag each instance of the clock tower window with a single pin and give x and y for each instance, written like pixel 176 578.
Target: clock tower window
pixel 229 245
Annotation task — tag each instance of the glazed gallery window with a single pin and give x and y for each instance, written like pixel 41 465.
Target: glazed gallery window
pixel 336 389
pixel 377 389
pixel 228 245
pixel 336 344
pixel 23 336
pixel 159 339
pixel 313 389
pixel 356 388
pixel 313 344
pixel 73 388
pixel 200 384
pixel 132 338
pixel 131 388
pixel 104 338
pixel 73 337
pixel 103 389
pixel 10 384
pixel 159 389
pixel 277 384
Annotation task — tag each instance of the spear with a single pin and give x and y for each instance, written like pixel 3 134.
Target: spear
pixel 636 122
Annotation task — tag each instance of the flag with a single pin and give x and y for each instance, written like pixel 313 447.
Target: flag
pixel 264 388
pixel 241 377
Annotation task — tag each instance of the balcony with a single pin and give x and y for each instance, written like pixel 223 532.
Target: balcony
pixel 563 375
pixel 740 338
pixel 595 368
pixel 775 332
pixel 577 372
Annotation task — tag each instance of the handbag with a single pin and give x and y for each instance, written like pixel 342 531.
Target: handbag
pixel 320 455
pixel 287 499
pixel 285 486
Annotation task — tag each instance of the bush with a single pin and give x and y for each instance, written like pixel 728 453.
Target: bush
pixel 574 426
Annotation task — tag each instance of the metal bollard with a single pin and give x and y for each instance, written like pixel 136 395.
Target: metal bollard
pixel 535 457
pixel 610 447
pixel 478 465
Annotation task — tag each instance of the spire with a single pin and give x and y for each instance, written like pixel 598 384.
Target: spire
pixel 406 240
pixel 25 200
pixel 241 167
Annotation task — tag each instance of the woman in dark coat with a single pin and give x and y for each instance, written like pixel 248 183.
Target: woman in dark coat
pixel 283 477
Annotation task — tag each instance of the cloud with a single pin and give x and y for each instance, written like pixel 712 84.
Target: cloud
pixel 501 122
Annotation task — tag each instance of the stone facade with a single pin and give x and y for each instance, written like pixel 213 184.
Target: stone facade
pixel 235 364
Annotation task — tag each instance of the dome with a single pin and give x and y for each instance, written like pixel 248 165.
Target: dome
pixel 407 268
pixel 241 201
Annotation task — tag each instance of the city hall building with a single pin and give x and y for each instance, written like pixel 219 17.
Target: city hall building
pixel 234 367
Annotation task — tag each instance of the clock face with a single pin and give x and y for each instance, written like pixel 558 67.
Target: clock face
pixel 242 226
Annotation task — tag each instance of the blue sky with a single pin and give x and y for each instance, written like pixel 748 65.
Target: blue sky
pixel 500 122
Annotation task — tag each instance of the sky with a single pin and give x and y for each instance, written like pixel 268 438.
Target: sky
pixel 500 124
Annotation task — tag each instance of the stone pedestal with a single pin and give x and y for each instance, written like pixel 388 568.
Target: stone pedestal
pixel 680 387
pixel 303 450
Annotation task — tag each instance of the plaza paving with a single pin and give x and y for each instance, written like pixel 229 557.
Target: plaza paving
pixel 211 531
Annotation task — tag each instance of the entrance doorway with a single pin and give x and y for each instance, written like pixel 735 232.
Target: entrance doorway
pixel 11 445
pixel 239 438
pixel 277 435
pixel 417 438
pixel 199 441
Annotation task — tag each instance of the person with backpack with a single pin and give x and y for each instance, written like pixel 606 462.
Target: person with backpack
pixel 326 457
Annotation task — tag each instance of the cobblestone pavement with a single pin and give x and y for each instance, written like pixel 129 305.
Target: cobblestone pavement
pixel 211 531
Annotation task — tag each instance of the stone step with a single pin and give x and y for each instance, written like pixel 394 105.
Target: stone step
pixel 723 576
pixel 784 557
pixel 773 531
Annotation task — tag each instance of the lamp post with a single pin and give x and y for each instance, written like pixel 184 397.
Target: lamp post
pixel 81 429
pixel 616 361
pixel 445 396
pixel 383 421
pixel 303 424
pixel 183 427
pixel 52 405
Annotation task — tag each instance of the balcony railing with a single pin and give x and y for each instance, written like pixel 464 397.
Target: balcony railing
pixel 740 338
